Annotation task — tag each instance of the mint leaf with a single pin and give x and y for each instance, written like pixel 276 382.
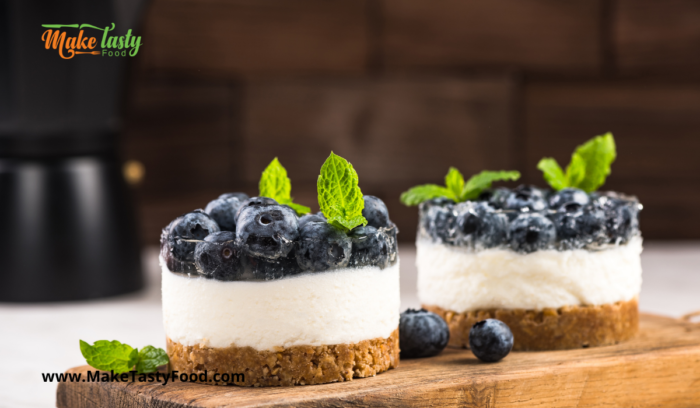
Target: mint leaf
pixel 275 184
pixel 110 355
pixel 576 170
pixel 455 188
pixel 150 358
pixel 480 182
pixel 553 174
pixel 454 181
pixel 339 195
pixel 598 154
pixel 425 192
pixel 588 168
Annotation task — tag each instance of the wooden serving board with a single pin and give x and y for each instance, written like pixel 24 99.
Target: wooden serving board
pixel 658 368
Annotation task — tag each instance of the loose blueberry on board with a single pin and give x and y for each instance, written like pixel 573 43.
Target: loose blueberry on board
pixel 261 269
pixel 321 246
pixel 223 210
pixel 530 232
pixel 267 231
pixel 422 334
pixel 240 196
pixel 566 196
pixel 525 198
pixel 218 257
pixel 318 217
pixel 375 212
pixel 370 247
pixel 255 202
pixel 478 224
pixel 490 340
pixel 193 226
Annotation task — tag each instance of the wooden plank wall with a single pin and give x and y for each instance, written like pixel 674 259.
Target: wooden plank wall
pixel 406 88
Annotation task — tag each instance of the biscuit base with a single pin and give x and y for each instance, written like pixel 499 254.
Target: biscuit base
pixel 568 327
pixel 297 365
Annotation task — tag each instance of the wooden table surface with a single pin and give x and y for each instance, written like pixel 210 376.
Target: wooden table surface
pixel 44 337
pixel 660 367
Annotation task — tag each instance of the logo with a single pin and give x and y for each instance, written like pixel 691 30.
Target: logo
pixel 83 44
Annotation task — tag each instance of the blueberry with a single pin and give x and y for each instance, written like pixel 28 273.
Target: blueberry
pixel 440 202
pixel 525 198
pixel 531 232
pixel 592 225
pixel 496 197
pixel 167 253
pixel 240 196
pixel 318 217
pixel 321 246
pixel 578 226
pixel 269 269
pixel 375 212
pixel 223 210
pixel 184 231
pixel 439 222
pixel 567 196
pixel 267 231
pixel 478 224
pixel 393 242
pixel 219 257
pixel 621 218
pixel 370 247
pixel 567 228
pixel 422 334
pixel 255 202
pixel 490 340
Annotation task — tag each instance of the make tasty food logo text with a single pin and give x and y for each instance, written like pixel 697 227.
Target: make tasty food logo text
pixel 56 38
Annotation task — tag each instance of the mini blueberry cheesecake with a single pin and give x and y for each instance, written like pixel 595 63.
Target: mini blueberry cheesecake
pixel 262 287
pixel 561 267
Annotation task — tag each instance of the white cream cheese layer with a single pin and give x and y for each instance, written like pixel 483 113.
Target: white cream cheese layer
pixel 461 280
pixel 334 307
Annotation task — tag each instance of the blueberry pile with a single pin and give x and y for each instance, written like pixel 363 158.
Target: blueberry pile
pixel 237 237
pixel 528 219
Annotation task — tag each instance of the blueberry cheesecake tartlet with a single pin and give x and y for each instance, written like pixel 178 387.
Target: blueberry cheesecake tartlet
pixel 561 267
pixel 260 286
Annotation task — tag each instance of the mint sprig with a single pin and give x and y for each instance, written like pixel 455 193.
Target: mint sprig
pixel 150 358
pixel 588 168
pixel 108 355
pixel 339 194
pixel 455 188
pixel 275 184
pixel 482 181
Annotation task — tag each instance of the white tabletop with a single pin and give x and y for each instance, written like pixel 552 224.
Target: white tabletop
pixel 44 338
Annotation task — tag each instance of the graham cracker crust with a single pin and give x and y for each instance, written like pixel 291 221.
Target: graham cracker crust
pixel 298 365
pixel 568 327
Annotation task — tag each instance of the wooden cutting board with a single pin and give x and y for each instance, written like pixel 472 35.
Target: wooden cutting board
pixel 658 368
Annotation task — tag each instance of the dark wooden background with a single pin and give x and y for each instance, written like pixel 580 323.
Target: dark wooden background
pixel 406 88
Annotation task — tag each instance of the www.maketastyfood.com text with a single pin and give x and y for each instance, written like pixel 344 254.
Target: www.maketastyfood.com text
pixel 133 376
